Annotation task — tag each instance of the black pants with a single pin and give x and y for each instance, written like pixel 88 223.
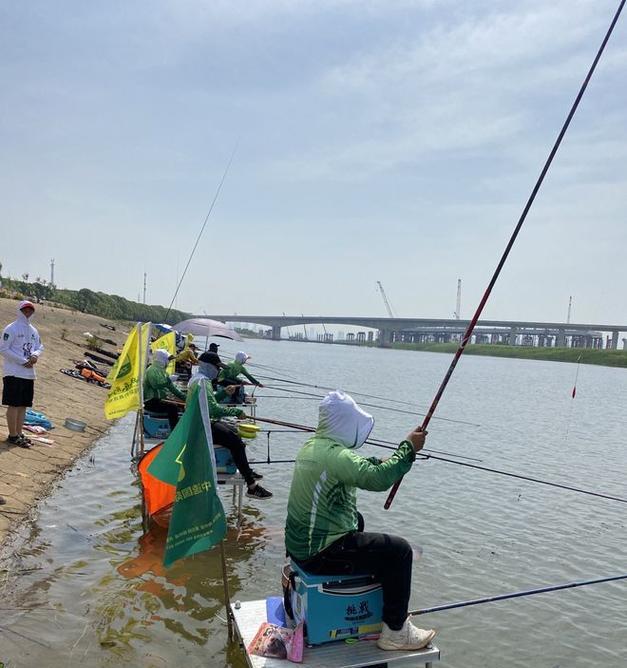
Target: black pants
pixel 388 558
pixel 227 438
pixel 159 406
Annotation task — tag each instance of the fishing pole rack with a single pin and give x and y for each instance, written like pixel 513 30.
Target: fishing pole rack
pixel 248 615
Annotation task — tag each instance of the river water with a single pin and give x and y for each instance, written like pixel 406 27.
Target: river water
pixel 83 587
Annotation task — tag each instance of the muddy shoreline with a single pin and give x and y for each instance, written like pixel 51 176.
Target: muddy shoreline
pixel 26 476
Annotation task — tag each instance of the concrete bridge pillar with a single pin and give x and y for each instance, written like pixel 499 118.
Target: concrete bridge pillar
pixel 276 332
pixel 385 338
pixel 615 340
pixel 513 333
pixel 560 339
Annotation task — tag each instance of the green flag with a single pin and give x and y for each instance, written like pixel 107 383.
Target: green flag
pixel 187 460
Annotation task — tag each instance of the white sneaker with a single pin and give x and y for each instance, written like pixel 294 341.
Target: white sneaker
pixel 410 637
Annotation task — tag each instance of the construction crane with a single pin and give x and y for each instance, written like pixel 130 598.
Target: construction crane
pixel 385 300
pixel 458 306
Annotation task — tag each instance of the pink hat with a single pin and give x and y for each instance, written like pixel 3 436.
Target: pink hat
pixel 26 304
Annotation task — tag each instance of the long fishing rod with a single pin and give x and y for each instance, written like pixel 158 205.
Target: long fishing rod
pixel 518 594
pixel 426 454
pixel 389 445
pixel 361 403
pixel 466 338
pixel 330 389
pixel 202 229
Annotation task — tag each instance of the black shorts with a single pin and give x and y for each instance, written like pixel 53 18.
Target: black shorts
pixel 17 391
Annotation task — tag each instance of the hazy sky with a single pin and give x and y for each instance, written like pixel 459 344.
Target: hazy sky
pixel 380 140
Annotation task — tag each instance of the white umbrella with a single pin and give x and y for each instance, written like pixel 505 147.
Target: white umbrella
pixel 207 327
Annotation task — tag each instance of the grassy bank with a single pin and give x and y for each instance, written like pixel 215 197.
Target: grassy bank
pixel 587 355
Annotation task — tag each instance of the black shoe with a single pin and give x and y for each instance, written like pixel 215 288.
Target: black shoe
pixel 2 500
pixel 24 442
pixel 256 476
pixel 258 492
pixel 17 440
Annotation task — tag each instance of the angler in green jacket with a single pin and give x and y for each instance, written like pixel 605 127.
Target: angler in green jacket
pixel 221 434
pixel 324 532
pixel 229 375
pixel 158 386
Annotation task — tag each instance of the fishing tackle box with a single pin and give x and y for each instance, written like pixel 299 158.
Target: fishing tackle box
pixel 335 607
pixel 156 426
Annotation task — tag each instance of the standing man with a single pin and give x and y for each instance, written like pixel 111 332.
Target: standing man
pixel 20 347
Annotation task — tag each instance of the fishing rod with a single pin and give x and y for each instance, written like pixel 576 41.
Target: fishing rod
pixel 388 445
pixel 471 325
pixel 202 229
pixel 361 403
pixel 426 454
pixel 518 594
pixel 331 389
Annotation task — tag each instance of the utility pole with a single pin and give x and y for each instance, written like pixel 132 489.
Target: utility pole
pixel 458 306
pixel 385 300
pixel 570 309
pixel 52 271
pixel 144 287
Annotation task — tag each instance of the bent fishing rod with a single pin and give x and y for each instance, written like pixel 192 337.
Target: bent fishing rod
pixel 202 229
pixel 517 594
pixel 426 454
pixel 471 325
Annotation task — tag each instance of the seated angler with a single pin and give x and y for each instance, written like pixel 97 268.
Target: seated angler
pixel 230 376
pixel 221 433
pixel 158 386
pixel 322 534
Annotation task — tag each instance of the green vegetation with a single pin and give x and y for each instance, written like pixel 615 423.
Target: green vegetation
pixel 107 306
pixel 587 355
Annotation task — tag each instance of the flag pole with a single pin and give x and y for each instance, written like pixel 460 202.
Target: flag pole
pixel 227 598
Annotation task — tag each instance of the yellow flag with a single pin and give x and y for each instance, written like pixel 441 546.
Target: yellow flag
pixel 167 342
pixel 126 375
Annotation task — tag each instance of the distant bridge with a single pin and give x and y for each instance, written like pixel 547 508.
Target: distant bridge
pixel 391 330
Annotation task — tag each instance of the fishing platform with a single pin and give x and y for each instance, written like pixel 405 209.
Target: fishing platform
pixel 248 615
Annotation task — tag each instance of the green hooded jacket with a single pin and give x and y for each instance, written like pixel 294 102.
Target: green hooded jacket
pixel 157 384
pixel 322 504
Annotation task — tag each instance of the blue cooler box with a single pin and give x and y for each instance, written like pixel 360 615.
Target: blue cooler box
pixel 335 607
pixel 156 427
pixel 224 461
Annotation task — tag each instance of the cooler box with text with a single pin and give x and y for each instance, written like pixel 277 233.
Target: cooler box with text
pixel 335 607
pixel 156 426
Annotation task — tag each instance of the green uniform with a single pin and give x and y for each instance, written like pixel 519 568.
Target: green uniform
pixel 322 505
pixel 157 384
pixel 229 374
pixel 216 411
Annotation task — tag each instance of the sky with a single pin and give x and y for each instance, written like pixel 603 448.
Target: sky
pixel 378 140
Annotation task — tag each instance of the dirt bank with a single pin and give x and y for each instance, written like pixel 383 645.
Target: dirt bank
pixel 26 475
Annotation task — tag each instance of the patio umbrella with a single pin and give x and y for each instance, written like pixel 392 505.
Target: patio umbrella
pixel 207 327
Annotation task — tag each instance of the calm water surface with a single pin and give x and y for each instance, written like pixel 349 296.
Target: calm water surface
pixel 84 587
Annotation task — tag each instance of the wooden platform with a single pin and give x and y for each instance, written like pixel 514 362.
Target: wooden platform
pixel 250 614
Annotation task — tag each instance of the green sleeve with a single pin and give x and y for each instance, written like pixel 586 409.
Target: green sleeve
pixel 216 410
pixel 174 389
pixel 357 471
pixel 251 378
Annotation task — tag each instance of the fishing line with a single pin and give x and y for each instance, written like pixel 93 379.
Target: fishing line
pixel 572 396
pixel 518 594
pixel 425 454
pixel 471 325
pixel 389 445
pixel 202 229
pixel 331 389
pixel 361 403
